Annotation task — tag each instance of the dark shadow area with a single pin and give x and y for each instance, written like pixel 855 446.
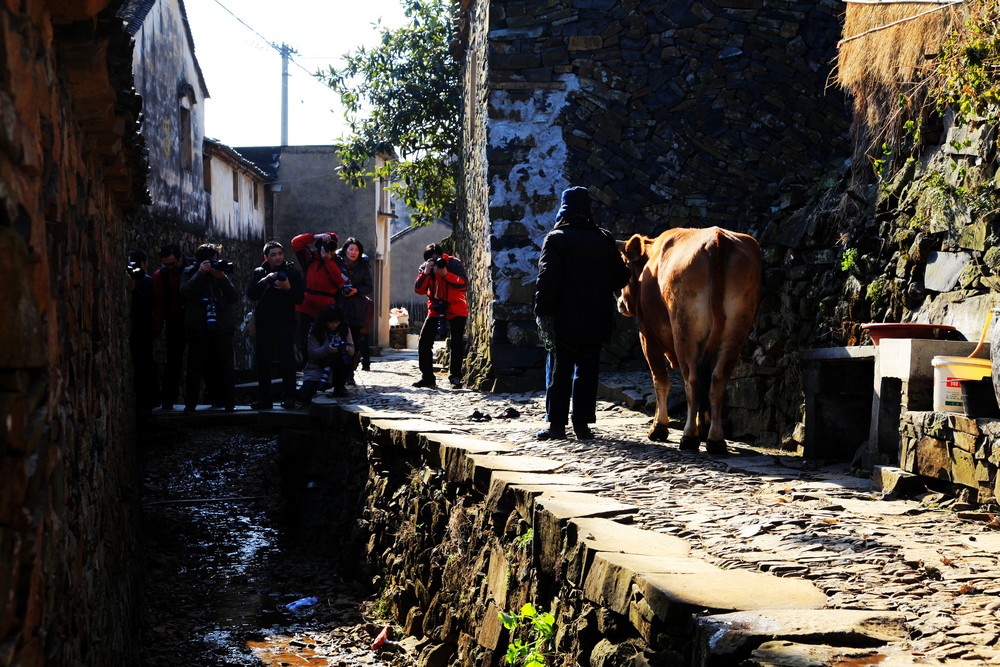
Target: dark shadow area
pixel 229 543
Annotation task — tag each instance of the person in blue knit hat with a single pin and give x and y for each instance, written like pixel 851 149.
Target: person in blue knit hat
pixel 579 271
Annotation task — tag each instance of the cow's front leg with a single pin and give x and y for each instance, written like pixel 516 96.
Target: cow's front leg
pixel 657 360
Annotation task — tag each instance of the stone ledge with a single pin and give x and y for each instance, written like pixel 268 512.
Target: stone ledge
pixel 645 577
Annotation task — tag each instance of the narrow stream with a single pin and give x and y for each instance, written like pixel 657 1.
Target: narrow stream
pixel 224 556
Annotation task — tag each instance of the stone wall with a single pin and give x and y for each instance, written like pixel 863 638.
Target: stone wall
pixel 673 114
pixel 954 449
pixel 69 169
pixel 456 529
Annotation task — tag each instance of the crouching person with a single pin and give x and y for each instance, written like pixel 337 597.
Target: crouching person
pixel 330 349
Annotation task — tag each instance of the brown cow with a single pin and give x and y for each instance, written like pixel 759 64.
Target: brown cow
pixel 694 293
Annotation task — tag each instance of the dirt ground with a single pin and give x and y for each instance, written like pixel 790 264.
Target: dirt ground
pixel 222 562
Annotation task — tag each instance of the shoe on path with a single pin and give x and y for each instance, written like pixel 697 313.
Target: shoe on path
pixel 425 382
pixel 582 432
pixel 456 382
pixel 553 432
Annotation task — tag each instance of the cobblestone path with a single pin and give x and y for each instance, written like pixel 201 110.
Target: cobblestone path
pixel 933 560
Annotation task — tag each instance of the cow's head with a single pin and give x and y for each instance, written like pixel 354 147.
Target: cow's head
pixel 634 253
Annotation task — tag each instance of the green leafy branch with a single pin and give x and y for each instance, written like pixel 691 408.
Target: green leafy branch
pixel 403 98
pixel 540 628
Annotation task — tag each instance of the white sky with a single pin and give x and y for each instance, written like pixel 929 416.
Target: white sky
pixel 243 73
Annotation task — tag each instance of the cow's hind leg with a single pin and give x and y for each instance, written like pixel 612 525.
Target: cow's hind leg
pixel 715 442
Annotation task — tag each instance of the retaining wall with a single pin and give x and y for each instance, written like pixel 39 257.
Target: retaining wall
pixel 456 529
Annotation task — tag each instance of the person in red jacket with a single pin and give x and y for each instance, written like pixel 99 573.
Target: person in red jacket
pixel 442 279
pixel 324 280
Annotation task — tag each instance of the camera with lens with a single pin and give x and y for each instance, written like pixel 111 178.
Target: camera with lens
pixel 329 246
pixel 439 308
pixel 134 270
pixel 211 313
pixel 280 275
pixel 440 263
pixel 223 265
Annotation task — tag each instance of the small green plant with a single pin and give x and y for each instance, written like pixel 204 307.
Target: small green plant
pixel 540 627
pixel 849 260
pixel 875 290
pixel 523 541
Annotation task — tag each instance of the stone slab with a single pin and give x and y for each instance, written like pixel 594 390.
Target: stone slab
pixel 791 654
pixel 732 635
pixel 404 433
pixel 671 595
pixel 450 450
pixel 483 466
pixel 608 580
pixel 569 505
pixel 606 535
pixel 508 489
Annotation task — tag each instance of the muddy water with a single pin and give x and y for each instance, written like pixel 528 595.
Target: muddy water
pixel 223 561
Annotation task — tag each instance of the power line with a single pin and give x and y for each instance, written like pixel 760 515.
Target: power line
pixel 282 49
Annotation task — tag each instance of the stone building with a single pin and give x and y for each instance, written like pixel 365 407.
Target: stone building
pixel 672 114
pixel 72 167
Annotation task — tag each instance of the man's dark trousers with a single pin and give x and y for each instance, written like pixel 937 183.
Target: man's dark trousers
pixel 275 342
pixel 574 375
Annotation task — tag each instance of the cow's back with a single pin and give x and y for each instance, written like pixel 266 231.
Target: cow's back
pixel 705 288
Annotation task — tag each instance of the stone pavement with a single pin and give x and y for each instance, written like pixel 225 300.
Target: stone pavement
pixel 929 559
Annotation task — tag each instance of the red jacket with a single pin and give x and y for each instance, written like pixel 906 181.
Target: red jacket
pixel 450 289
pixel 167 303
pixel 323 278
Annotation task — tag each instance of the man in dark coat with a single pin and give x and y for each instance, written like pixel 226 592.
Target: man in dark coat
pixel 277 287
pixel 579 270
pixel 210 316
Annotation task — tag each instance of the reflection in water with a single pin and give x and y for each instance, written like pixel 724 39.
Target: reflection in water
pixel 221 564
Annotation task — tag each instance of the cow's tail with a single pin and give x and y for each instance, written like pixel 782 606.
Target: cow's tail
pixel 717 255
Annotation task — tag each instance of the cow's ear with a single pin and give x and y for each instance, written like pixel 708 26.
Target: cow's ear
pixel 633 248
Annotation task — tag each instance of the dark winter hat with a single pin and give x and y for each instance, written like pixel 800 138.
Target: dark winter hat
pixel 575 201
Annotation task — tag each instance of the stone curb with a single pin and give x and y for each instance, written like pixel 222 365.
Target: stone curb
pixel 647 577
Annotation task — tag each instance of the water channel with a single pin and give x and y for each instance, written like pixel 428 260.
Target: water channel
pixel 234 571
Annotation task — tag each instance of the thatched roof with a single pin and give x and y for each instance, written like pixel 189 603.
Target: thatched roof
pixel 890 41
pixel 888 52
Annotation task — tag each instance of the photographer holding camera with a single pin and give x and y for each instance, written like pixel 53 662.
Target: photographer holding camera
pixel 140 285
pixel 442 279
pixel 277 287
pixel 324 281
pixel 330 350
pixel 357 302
pixel 168 317
pixel 209 322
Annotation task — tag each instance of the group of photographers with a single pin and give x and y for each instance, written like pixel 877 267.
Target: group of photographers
pixel 195 304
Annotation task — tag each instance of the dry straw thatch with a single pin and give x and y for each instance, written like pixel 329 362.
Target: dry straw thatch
pixel 887 52
pixel 871 53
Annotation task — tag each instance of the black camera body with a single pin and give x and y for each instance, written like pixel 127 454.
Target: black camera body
pixel 329 246
pixel 211 314
pixel 440 263
pixel 134 271
pixel 223 265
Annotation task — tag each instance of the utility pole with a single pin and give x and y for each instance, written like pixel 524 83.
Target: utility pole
pixel 285 51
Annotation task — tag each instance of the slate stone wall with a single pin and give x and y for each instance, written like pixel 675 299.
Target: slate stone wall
pixel 673 114
pixel 69 169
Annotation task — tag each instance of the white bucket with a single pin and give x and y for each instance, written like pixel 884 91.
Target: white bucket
pixel 947 373
pixel 412 341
